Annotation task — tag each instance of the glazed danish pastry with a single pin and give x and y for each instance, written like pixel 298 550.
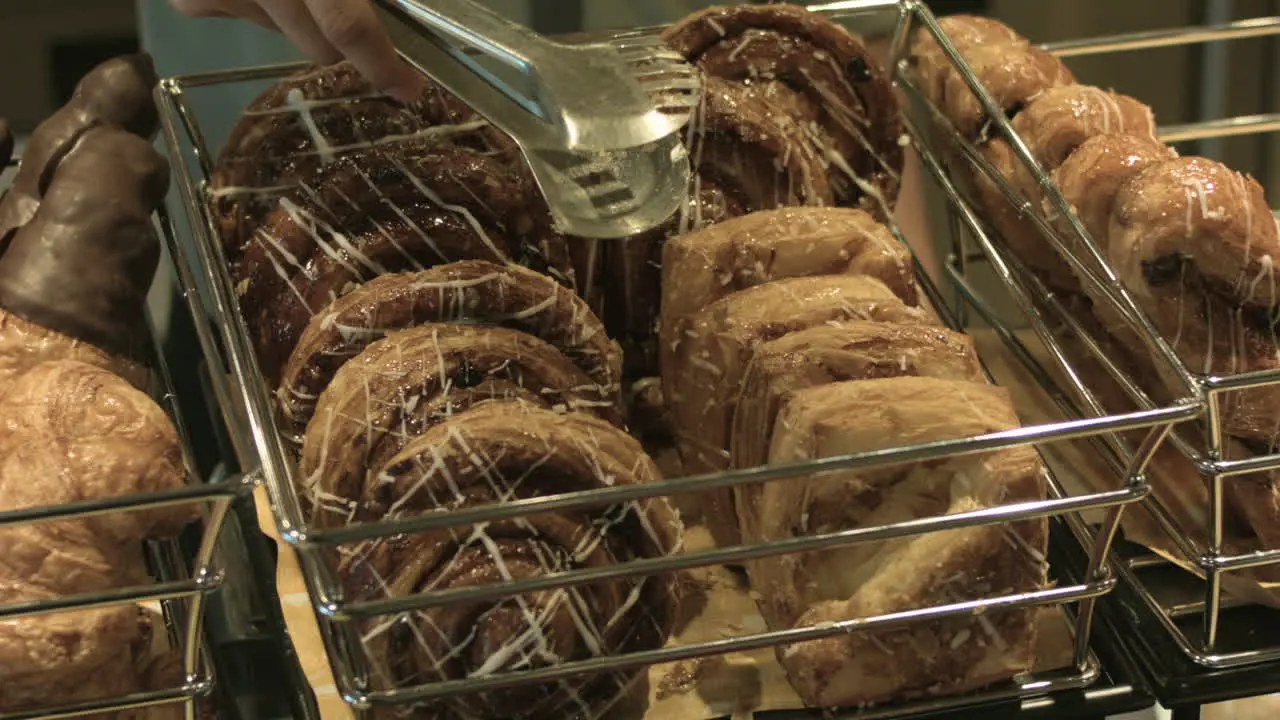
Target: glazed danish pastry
pixel 470 291
pixel 500 452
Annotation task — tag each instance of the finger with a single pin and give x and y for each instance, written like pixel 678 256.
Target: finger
pixel 242 9
pixel 293 17
pixel 353 27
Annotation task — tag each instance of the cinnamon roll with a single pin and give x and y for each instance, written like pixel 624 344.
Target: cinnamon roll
pixel 1012 70
pixel 1053 125
pixel 471 291
pixel 503 452
pixel 701 385
pixel 701 267
pixel 314 117
pixel 381 211
pixel 812 70
pixel 412 380
pixel 938 568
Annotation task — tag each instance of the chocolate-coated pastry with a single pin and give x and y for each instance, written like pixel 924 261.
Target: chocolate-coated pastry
pixel 836 352
pixel 701 385
pixel 81 268
pixel 380 211
pixel 1012 70
pixel 471 291
pixel 116 92
pixel 1053 125
pixel 411 380
pixel 701 267
pixel 501 452
pixel 314 117
pixel 811 69
pixel 938 568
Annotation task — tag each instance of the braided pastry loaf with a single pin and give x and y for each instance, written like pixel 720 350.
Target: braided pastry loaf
pixel 1191 240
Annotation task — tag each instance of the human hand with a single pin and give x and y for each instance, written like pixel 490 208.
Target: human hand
pixel 327 31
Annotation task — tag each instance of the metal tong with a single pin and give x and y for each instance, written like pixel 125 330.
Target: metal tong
pixel 598 124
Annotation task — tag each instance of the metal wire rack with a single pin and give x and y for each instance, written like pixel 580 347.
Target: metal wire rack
pixel 187 570
pixel 248 410
pixel 1214 632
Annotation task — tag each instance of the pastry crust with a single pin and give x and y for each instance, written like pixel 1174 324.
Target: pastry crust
pixel 411 380
pixel 499 452
pixel 471 291
pixel 873 579
pixel 701 385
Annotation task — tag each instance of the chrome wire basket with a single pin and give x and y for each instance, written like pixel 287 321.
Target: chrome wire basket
pixel 187 570
pixel 249 411
pixel 1213 629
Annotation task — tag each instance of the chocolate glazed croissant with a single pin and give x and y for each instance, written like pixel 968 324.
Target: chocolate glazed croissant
pixel 500 452
pixel 115 93
pixel 313 118
pixel 382 211
pixel 1011 69
pixel 815 73
pixel 74 279
pixel 470 291
pixel 412 380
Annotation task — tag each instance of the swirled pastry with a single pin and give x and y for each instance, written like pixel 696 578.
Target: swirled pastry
pixel 470 291
pixel 310 119
pixel 379 212
pixel 501 452
pixel 701 267
pixel 410 381
pixel 820 76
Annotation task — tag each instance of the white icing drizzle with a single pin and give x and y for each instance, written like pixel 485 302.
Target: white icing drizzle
pixel 297 102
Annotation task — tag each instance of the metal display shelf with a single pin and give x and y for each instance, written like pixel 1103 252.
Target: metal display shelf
pixel 1195 644
pixel 1099 680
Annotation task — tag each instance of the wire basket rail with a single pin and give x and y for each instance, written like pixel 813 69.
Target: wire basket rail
pixel 1214 631
pixel 187 570
pixel 249 412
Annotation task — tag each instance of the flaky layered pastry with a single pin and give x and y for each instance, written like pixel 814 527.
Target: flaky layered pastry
pixel 411 380
pixel 500 452
pixel 873 579
pixel 701 267
pixel 463 292
pixel 71 432
pixel 701 384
